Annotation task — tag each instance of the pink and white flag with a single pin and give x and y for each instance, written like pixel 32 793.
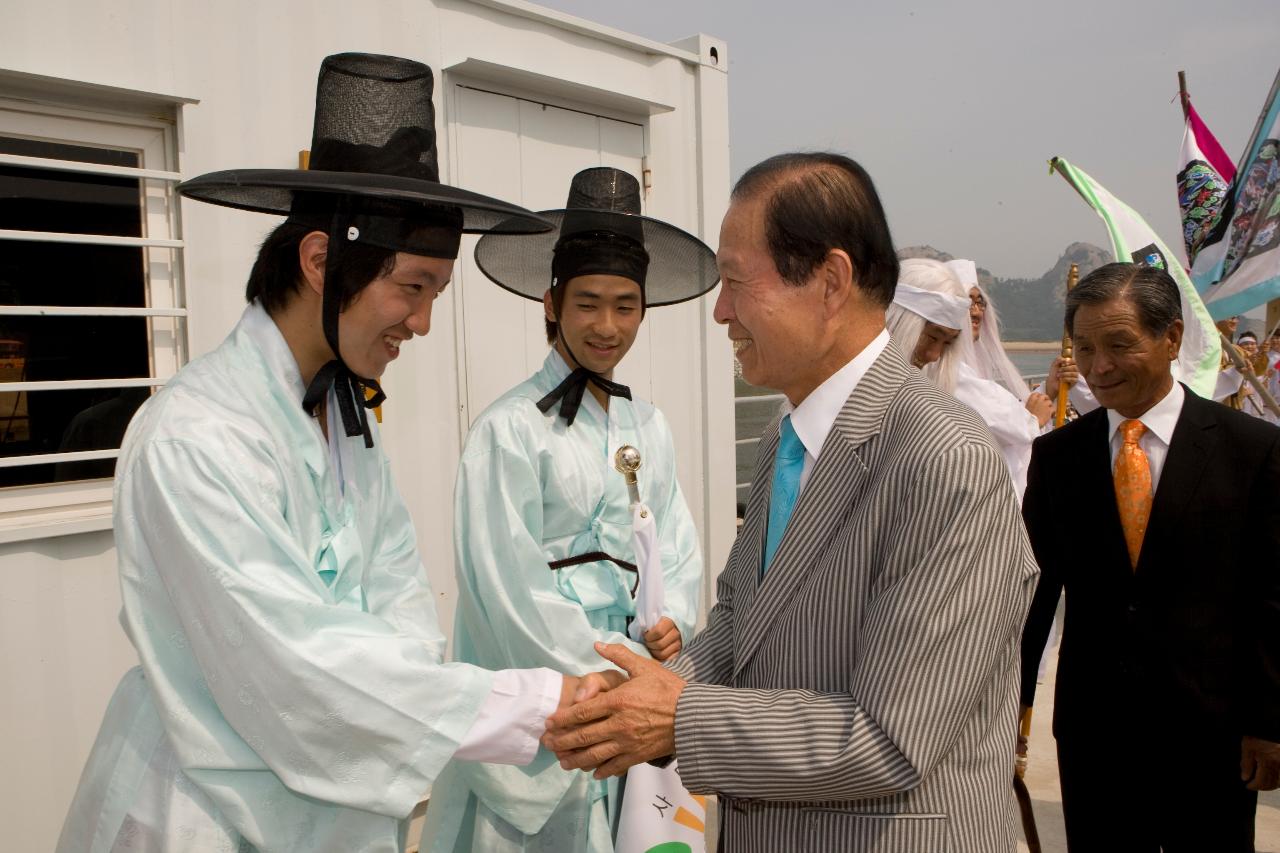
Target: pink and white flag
pixel 1205 175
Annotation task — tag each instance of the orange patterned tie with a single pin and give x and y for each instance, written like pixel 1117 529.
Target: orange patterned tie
pixel 1133 488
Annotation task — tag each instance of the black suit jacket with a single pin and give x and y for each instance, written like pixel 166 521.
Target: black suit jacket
pixel 1191 638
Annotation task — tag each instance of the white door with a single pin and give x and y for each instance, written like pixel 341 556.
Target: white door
pixel 526 152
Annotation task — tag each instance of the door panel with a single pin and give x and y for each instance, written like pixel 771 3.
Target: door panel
pixel 526 153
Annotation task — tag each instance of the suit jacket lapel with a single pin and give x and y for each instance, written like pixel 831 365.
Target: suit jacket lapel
pixel 824 503
pixel 750 544
pixel 1183 467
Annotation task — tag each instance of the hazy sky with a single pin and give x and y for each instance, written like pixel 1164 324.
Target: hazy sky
pixel 954 108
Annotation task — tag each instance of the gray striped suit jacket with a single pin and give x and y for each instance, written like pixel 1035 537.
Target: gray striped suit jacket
pixel 863 697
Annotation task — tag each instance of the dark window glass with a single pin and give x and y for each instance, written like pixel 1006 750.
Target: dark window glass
pixel 69 348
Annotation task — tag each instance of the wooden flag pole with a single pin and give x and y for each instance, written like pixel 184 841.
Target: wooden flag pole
pixel 1060 416
pixel 1183 97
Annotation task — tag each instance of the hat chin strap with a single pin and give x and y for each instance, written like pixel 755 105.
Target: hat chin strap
pixel 569 392
pixel 349 389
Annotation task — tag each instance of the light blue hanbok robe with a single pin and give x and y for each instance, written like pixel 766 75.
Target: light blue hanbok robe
pixel 291 695
pixel 531 490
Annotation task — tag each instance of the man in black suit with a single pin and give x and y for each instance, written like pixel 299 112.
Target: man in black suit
pixel 1167 710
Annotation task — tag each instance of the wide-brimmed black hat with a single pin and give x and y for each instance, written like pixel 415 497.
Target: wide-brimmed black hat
pixel 373 152
pixel 600 231
pixel 373 178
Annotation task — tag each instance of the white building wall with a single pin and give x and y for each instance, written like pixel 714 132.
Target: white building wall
pixel 252 65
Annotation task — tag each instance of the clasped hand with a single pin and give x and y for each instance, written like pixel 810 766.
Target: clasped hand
pixel 1063 370
pixel 618 721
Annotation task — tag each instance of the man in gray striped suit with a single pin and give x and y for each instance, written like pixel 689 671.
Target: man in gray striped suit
pixel 855 688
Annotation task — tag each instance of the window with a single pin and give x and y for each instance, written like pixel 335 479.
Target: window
pixel 92 317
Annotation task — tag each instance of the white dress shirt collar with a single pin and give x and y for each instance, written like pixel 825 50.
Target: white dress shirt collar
pixel 817 413
pixel 1160 419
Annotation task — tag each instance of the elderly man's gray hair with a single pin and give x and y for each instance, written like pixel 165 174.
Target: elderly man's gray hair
pixel 1151 291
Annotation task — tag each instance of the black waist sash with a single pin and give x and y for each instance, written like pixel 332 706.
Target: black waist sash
pixel 595 557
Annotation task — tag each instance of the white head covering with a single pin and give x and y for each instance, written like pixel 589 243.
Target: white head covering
pixel 940 308
pixel 929 292
pixel 990 361
pixel 965 270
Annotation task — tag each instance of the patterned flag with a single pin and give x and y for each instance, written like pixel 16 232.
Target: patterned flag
pixel 1134 241
pixel 1204 186
pixel 1242 270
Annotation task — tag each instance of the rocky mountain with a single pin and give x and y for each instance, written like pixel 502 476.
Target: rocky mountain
pixel 1030 309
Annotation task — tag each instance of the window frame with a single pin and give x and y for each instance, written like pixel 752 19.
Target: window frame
pixel 45 510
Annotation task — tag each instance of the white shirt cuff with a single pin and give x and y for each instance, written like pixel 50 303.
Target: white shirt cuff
pixel 513 717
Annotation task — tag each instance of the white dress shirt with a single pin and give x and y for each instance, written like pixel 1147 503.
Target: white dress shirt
pixel 1160 421
pixel 513 717
pixel 817 413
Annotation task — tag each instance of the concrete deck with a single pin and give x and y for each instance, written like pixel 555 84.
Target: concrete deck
pixel 1046 797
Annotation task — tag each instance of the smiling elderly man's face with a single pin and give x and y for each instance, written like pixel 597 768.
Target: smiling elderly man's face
pixel 1126 365
pixel 772 323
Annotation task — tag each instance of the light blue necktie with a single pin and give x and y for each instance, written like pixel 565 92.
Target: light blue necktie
pixel 787 465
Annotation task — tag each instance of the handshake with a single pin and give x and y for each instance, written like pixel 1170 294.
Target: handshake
pixel 609 721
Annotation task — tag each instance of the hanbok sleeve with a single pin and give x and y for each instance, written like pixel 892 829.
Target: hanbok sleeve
pixel 1079 395
pixel 513 717
pixel 1082 397
pixel 349 707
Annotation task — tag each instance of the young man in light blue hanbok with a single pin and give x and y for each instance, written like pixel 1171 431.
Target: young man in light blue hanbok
pixel 543 527
pixel 291 694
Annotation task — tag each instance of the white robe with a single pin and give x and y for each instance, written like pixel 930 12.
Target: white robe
pixel 532 489
pixel 1012 426
pixel 1080 396
pixel 291 695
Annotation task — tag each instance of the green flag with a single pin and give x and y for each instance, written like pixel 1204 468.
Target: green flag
pixel 1133 241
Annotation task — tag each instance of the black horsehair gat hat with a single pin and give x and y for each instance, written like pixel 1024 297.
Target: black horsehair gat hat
pixel 373 146
pixel 374 179
pixel 601 230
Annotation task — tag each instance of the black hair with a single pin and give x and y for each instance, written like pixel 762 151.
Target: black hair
pixel 557 302
pixel 1151 291
pixel 277 274
pixel 816 202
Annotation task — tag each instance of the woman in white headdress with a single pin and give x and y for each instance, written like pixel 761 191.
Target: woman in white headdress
pixel 992 362
pixel 928 319
pixel 989 358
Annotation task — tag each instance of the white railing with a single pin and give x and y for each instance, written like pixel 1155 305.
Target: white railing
pixel 1033 380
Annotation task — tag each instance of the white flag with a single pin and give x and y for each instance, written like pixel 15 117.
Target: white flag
pixel 657 814
pixel 1134 241
pixel 650 597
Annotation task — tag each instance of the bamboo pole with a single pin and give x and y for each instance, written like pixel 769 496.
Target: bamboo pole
pixel 1060 416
